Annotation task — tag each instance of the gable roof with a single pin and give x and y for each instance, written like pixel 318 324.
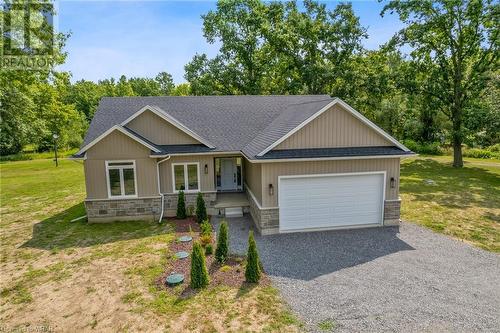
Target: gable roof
pixel 251 124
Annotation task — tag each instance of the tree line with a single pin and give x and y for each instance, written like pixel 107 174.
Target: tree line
pixel 436 80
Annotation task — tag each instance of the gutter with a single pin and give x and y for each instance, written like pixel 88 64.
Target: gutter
pixel 159 187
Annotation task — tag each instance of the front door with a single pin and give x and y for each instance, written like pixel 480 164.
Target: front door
pixel 228 174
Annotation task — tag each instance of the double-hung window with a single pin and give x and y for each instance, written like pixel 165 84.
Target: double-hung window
pixel 121 178
pixel 186 176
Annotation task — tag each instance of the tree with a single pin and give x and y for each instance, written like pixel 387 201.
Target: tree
pixel 201 210
pixel 455 43
pixel 165 82
pixel 222 250
pixel 199 273
pixel 252 270
pixel 181 206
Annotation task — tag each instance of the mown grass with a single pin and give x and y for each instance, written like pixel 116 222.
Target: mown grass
pixel 463 203
pixel 42 250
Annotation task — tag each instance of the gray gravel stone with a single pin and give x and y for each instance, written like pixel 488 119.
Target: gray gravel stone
pixel 393 279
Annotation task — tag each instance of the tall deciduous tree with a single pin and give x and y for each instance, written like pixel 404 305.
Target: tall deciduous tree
pixel 456 44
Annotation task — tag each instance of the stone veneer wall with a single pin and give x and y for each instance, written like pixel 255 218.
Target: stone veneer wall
pixel 392 210
pixel 142 208
pixel 190 199
pixel 122 209
pixel 266 220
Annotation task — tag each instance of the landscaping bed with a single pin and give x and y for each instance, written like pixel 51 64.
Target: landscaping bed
pixel 231 273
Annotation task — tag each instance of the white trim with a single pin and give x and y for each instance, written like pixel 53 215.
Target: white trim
pixel 256 201
pixel 122 183
pixel 327 158
pixel 204 153
pixel 122 130
pixel 186 185
pixel 158 172
pixel 327 107
pixel 384 173
pixel 168 118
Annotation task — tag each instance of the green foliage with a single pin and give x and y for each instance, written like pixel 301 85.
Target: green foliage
pixel 209 249
pixel 199 273
pixel 205 240
pixel 201 210
pixel 206 228
pixel 222 250
pixel 181 206
pixel 477 153
pixel 252 270
pixel 424 148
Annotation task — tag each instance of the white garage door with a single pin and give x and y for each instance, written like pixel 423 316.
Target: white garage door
pixel 330 201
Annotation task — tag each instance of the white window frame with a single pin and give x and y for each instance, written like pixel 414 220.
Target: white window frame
pixel 122 183
pixel 185 164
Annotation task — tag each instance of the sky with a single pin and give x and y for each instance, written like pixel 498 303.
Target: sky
pixel 143 38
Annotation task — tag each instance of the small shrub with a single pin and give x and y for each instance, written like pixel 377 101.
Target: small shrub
pixel 221 253
pixel 209 249
pixel 201 210
pixel 477 153
pixel 225 268
pixel 205 228
pixel 205 240
pixel 252 271
pixel 190 210
pixel 181 206
pixel 495 148
pixel 199 273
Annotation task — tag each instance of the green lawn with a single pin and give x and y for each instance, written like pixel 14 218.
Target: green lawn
pixel 463 203
pixel 71 276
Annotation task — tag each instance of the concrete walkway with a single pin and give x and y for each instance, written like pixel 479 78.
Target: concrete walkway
pixel 397 279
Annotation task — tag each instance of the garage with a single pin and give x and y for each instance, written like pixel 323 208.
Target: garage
pixel 330 201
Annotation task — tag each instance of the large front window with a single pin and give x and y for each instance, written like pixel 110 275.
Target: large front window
pixel 121 178
pixel 186 177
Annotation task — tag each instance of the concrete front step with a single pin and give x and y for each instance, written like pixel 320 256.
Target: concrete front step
pixel 234 211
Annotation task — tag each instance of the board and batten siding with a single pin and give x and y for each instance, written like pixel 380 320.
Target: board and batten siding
pixel 253 178
pixel 271 171
pixel 207 180
pixel 335 127
pixel 117 146
pixel 159 131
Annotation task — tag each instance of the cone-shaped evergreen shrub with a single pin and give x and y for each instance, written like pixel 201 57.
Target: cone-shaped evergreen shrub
pixel 222 250
pixel 181 206
pixel 252 271
pixel 199 273
pixel 201 210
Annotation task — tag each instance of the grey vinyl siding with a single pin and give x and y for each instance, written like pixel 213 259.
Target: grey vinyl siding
pixel 253 178
pixel 159 131
pixel 271 171
pixel 334 128
pixel 118 146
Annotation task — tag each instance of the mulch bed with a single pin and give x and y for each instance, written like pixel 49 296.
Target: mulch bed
pixel 231 273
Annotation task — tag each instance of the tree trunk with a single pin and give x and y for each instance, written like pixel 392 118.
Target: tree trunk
pixel 457 136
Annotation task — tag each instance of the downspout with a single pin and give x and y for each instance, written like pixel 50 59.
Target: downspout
pixel 159 187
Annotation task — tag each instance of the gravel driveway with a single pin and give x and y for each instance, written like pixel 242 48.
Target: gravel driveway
pixel 397 279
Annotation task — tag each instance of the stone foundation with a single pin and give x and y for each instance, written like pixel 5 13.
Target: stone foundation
pixel 266 220
pixel 190 199
pixel 392 210
pixel 143 208
pixel 122 209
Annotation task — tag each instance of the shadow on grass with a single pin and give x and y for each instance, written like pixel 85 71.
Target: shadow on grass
pixel 57 232
pixel 454 187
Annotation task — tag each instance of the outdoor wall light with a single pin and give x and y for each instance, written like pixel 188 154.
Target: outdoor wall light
pixel 393 182
pixel 271 189
pixel 206 169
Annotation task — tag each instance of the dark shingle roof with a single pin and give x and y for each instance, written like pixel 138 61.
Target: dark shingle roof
pixel 182 149
pixel 333 152
pixel 231 123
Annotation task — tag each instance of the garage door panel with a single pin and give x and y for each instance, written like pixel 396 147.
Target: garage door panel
pixel 330 201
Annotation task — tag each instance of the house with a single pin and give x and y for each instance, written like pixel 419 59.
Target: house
pixel 295 163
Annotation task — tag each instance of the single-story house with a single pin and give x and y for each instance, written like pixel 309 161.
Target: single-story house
pixel 295 163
